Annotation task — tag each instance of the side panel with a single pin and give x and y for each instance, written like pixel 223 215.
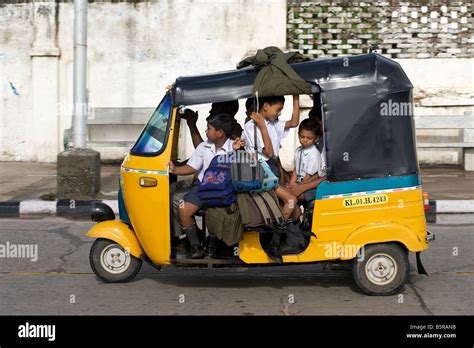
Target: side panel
pixel 344 222
pixel 381 233
pixel 355 220
pixel 251 252
pixel 149 207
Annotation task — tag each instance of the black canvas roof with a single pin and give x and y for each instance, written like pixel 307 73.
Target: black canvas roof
pixel 332 73
pixel 362 139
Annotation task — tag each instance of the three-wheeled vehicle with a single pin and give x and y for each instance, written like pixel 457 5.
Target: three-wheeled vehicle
pixel 369 213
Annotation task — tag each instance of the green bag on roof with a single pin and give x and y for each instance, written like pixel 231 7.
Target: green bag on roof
pixel 276 76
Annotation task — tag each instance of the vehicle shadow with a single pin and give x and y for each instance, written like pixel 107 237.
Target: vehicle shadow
pixel 253 277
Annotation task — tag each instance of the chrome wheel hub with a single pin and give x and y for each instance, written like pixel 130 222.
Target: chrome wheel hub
pixel 381 269
pixel 114 259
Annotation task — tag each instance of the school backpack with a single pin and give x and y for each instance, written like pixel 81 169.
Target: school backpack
pixel 260 210
pixel 225 224
pixel 216 189
pixel 269 181
pixel 247 175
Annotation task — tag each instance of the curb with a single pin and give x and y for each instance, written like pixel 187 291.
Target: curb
pixel 450 212
pixel 63 208
pixel 81 209
pixel 455 206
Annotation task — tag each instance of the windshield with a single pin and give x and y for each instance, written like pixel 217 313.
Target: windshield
pixel 154 135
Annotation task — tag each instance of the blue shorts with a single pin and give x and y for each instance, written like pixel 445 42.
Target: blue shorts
pixel 191 196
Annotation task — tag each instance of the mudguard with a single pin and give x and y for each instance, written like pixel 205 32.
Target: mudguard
pixel 120 233
pixel 383 233
pixel 419 265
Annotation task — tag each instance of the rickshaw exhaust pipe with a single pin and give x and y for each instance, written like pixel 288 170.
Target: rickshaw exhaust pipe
pixel 101 212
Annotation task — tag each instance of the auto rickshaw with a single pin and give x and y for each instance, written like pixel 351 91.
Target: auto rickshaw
pixel 369 213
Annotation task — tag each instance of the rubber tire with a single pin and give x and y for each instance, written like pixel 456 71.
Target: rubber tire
pixel 94 259
pixel 399 255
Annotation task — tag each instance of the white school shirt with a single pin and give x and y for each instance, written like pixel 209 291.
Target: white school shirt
pixel 309 161
pixel 276 132
pixel 204 153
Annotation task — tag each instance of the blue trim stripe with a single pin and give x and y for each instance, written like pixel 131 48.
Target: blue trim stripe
pixel 349 187
pixel 123 214
pixel 144 171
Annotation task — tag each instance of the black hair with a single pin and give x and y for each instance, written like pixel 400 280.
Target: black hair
pixel 223 122
pixel 250 104
pixel 229 107
pixel 310 125
pixel 270 100
pixel 315 112
pixel 249 107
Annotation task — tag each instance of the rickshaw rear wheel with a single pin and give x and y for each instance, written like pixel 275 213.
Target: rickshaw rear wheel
pixel 112 263
pixel 382 269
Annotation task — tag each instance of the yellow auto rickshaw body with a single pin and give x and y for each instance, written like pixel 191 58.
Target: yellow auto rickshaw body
pixel 343 223
pixel 376 198
pixel 396 215
pixel 371 202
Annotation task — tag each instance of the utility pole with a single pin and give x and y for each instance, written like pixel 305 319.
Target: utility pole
pixel 79 167
pixel 80 74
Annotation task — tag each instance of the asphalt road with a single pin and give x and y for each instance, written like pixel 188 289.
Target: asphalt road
pixel 60 281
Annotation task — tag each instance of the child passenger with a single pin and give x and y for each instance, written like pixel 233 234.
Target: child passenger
pixel 229 107
pixel 249 108
pixel 270 131
pixel 219 128
pixel 309 162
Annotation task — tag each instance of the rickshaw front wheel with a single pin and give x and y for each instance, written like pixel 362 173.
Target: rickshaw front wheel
pixel 112 263
pixel 381 269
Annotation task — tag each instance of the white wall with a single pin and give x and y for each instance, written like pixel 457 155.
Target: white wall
pixel 16 36
pixel 134 51
pixel 137 49
pixel 442 87
pixel 441 76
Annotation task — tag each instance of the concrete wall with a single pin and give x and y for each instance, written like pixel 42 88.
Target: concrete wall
pixel 440 34
pixel 135 49
pixel 401 29
pixel 16 38
pixel 442 87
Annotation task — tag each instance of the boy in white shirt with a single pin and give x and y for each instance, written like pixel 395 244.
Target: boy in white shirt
pixel 270 132
pixel 219 128
pixel 310 164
